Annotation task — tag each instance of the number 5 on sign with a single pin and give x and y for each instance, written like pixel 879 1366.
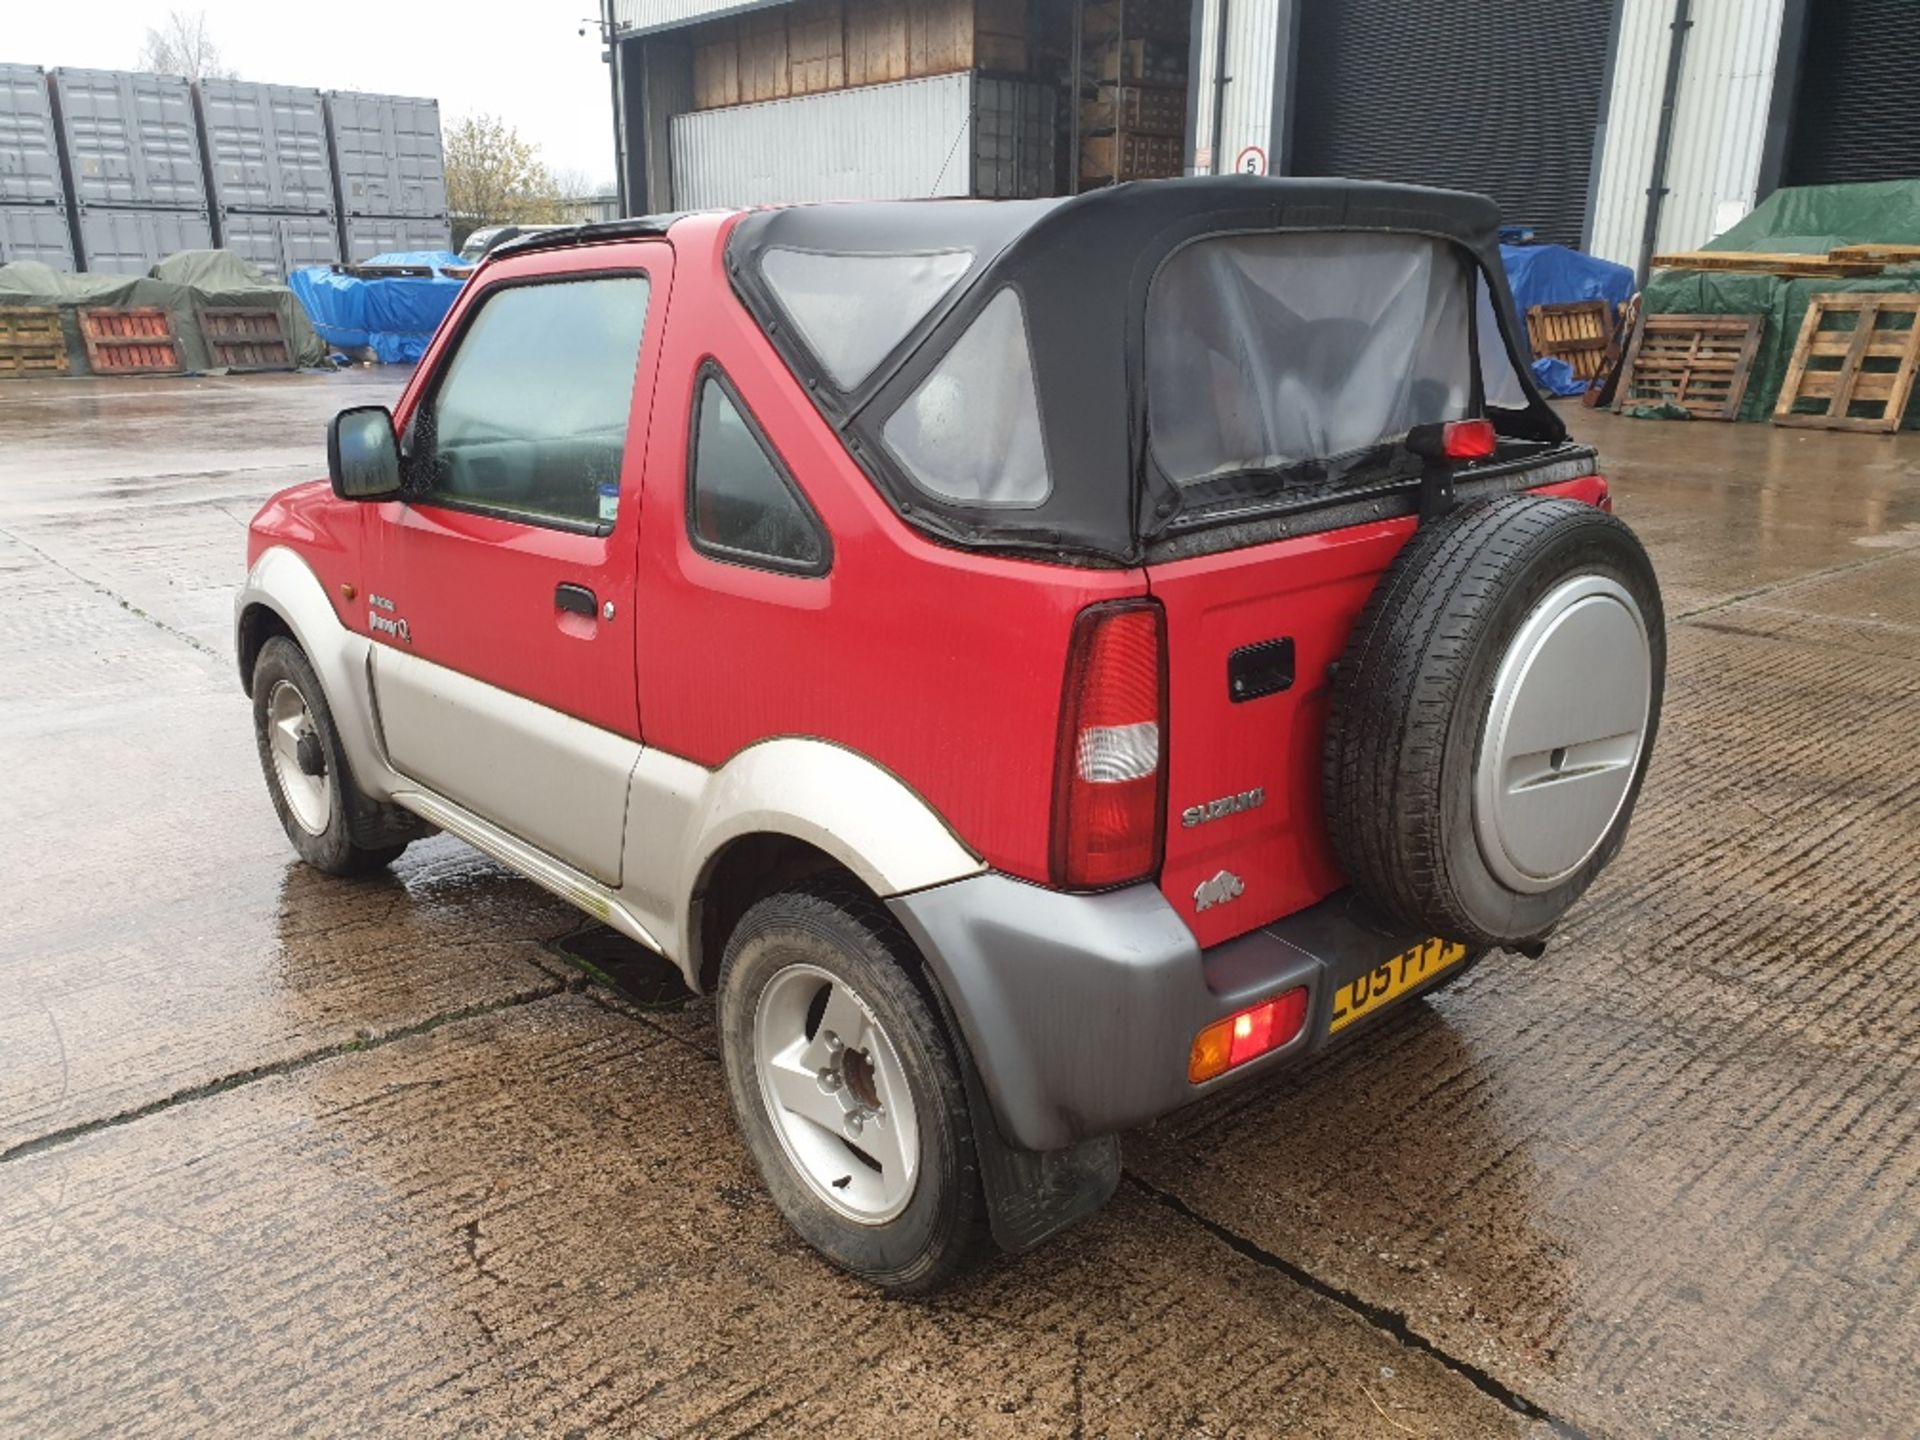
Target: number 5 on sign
pixel 1252 161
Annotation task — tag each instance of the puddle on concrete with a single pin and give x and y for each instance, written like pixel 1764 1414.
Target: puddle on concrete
pixel 647 979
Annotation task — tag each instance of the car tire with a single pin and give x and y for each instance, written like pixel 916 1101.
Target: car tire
pixel 1463 795
pixel 895 1197
pixel 306 770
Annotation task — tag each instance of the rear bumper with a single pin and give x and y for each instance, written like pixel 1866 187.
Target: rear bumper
pixel 1080 1010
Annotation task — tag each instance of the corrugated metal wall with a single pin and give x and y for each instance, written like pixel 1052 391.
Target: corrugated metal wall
pixel 640 16
pixel 1246 109
pixel 1720 122
pixel 879 142
pixel 1719 130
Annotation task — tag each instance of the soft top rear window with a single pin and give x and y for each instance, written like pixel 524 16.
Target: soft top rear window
pixel 1267 351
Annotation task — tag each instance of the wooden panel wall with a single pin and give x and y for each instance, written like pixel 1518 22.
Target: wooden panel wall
pixel 817 45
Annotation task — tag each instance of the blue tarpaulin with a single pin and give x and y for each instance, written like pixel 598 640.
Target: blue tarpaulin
pixel 394 318
pixel 1555 275
pixel 1556 377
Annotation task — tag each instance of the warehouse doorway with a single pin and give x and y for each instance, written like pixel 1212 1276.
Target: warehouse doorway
pixel 1857 114
pixel 1503 97
pixel 859 99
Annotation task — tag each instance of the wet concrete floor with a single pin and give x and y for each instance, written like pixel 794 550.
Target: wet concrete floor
pixel 285 1154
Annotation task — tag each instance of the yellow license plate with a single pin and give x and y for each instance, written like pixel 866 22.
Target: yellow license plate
pixel 1385 983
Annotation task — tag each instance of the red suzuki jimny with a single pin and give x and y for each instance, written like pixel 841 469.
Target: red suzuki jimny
pixel 1038 662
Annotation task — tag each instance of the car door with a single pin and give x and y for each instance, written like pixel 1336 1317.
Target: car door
pixel 503 585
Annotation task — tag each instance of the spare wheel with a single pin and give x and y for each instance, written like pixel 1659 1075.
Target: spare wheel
pixel 1492 718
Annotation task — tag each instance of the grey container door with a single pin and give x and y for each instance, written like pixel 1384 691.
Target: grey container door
pixel 35 232
pixel 266 147
pixel 130 139
pixel 280 244
pixel 368 236
pixel 132 242
pixel 387 154
pixel 29 156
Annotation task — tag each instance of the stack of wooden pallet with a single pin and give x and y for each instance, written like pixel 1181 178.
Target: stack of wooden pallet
pixel 1133 94
pixel 1845 262
pixel 820 45
pixel 1854 364
pixel 31 342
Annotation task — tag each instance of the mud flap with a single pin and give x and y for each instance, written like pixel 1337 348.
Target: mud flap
pixel 1032 1195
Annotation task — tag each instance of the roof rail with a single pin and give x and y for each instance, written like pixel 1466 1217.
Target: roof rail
pixel 639 227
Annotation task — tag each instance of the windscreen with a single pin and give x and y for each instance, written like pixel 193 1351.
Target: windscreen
pixel 1264 351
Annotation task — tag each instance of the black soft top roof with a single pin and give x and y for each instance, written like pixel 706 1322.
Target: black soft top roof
pixel 1082 267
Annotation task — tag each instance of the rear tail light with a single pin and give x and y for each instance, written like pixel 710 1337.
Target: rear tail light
pixel 1467 439
pixel 1109 793
pixel 1248 1035
pixel 1454 442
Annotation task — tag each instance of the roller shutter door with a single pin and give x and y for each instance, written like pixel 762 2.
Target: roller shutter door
pixel 1858 113
pixel 1499 96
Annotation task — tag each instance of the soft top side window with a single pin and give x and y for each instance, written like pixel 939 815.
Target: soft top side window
pixel 742 506
pixel 970 432
pixel 528 420
pixel 852 310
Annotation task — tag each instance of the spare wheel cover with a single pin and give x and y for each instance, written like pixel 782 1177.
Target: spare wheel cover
pixel 1563 735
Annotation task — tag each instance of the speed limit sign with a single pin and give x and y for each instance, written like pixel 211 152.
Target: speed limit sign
pixel 1252 161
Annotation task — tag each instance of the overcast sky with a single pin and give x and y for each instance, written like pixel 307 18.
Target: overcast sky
pixel 526 62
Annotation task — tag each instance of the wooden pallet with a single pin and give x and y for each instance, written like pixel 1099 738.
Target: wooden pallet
pixel 1816 267
pixel 31 342
pixel 135 340
pixel 244 338
pixel 1606 381
pixel 1879 254
pixel 1872 365
pixel 1575 332
pixel 1699 362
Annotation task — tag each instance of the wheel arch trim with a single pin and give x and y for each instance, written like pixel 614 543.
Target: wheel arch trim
pixel 282 583
pixel 683 818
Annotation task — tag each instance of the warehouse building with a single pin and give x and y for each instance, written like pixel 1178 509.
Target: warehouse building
pixel 1618 126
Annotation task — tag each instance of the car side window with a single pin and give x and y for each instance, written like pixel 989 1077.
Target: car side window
pixel 529 418
pixel 741 504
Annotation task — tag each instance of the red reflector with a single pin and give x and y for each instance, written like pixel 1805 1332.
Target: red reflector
pixel 1467 439
pixel 1109 799
pixel 1247 1036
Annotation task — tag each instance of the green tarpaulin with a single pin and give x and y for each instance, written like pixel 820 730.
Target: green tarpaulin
pixel 179 284
pixel 1813 219
pixel 1809 220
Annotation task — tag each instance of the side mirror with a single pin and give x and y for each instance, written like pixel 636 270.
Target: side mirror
pixel 363 458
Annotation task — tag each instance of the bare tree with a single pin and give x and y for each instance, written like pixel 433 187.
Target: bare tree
pixel 495 178
pixel 184 46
